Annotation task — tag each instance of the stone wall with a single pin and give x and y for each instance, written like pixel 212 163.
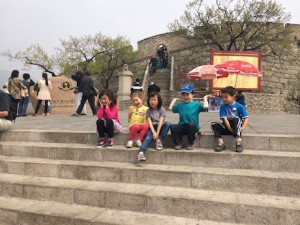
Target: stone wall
pixel 280 76
pixel 148 47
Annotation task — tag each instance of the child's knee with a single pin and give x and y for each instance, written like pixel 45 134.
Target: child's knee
pixel 173 127
pixel 99 122
pixel 167 124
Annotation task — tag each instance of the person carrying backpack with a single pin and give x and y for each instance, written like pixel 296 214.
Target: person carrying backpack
pixel 5 115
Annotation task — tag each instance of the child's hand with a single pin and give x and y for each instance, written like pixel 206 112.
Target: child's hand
pixel 155 136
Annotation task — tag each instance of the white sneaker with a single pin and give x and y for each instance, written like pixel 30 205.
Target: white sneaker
pixel 137 143
pixel 159 145
pixel 129 144
pixel 141 156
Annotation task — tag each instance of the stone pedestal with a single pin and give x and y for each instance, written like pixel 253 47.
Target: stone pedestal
pixel 125 82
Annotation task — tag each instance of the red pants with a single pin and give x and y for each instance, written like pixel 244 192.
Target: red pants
pixel 137 128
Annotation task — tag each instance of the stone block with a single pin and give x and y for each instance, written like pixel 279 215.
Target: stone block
pixel 285 143
pixel 191 208
pixel 236 183
pixel 157 177
pixel 266 215
pixel 11 189
pixel 89 197
pixel 91 173
pixel 8 217
pixel 123 201
pixel 41 170
pixel 43 193
pixel 15 168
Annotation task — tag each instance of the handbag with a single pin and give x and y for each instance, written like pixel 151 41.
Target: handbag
pixel 94 91
pixel 24 93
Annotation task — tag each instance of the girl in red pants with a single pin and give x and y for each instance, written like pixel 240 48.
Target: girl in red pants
pixel 137 120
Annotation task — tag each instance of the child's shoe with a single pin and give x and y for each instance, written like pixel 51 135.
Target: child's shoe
pixel 129 144
pixel 178 147
pixel 158 145
pixel 110 143
pixel 190 147
pixel 137 143
pixel 101 143
pixel 239 147
pixel 220 147
pixel 141 157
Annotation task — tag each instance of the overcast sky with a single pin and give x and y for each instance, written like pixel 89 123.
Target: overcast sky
pixel 26 22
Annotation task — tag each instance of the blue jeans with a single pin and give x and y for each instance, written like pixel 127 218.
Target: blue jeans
pixel 149 136
pixel 23 104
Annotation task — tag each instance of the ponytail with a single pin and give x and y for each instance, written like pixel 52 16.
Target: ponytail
pixel 45 76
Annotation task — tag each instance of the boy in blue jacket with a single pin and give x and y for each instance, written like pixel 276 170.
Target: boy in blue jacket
pixel 234 120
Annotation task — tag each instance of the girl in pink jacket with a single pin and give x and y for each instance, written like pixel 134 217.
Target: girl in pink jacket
pixel 108 122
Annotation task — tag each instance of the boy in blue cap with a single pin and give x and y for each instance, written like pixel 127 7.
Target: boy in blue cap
pixel 188 116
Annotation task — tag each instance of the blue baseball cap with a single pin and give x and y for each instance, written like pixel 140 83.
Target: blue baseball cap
pixel 186 88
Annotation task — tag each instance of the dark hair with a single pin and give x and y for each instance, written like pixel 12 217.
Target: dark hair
pixel 26 76
pixel 110 95
pixel 153 94
pixel 14 74
pixel 229 90
pixel 79 73
pixel 45 76
pixel 137 80
pixel 87 73
pixel 240 92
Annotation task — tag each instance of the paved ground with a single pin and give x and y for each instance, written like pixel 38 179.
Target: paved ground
pixel 259 123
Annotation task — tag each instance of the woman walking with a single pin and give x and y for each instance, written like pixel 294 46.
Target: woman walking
pixel 44 86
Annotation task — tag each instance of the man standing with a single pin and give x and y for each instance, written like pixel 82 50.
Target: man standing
pixel 78 77
pixel 5 120
pixel 137 86
pixel 88 93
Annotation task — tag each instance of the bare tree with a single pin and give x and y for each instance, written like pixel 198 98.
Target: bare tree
pixel 80 52
pixel 34 56
pixel 240 25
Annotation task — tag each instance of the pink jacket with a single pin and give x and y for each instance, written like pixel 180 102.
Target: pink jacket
pixel 110 112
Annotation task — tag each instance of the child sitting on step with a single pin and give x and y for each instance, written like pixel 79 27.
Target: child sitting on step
pixel 108 122
pixel 188 117
pixel 137 120
pixel 234 120
pixel 159 128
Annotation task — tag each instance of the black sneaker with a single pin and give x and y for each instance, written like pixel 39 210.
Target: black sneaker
pixel 239 147
pixel 101 143
pixel 220 147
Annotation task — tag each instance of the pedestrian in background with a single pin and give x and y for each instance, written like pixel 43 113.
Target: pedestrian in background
pixel 78 77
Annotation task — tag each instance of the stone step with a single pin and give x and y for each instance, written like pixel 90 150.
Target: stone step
pixel 19 211
pixel 250 141
pixel 249 159
pixel 219 179
pixel 169 201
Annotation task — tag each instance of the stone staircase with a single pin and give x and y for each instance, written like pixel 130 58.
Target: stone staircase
pixel 162 79
pixel 51 177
